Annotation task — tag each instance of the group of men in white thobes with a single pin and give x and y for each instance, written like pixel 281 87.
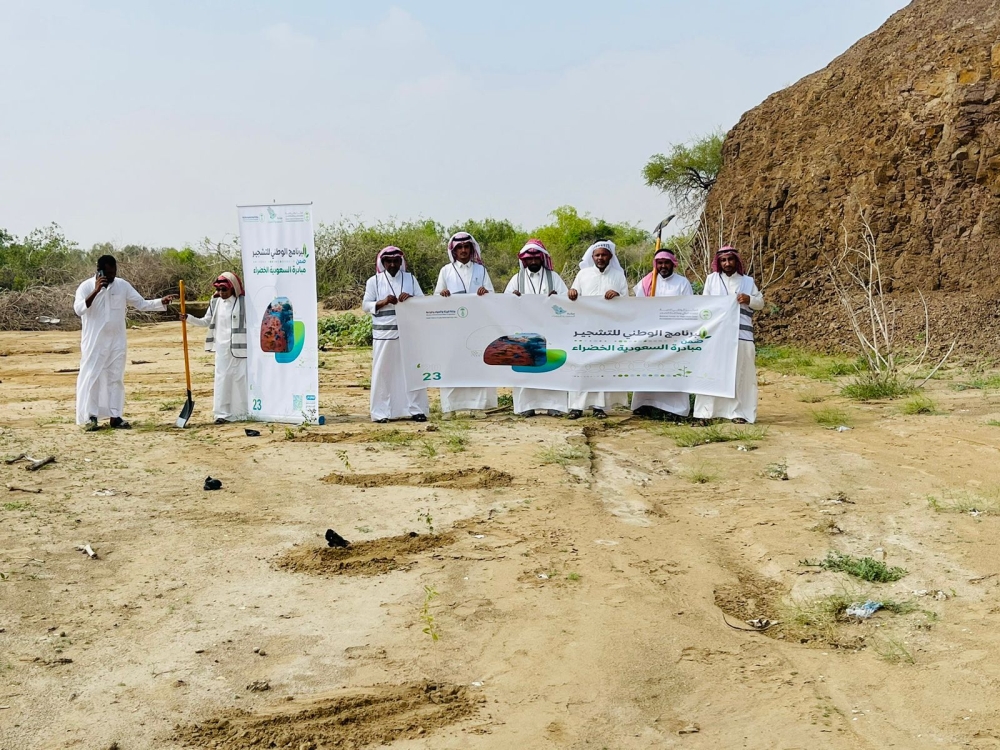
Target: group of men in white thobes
pixel 101 304
pixel 600 275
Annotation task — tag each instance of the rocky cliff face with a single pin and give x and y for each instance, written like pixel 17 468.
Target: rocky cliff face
pixel 904 126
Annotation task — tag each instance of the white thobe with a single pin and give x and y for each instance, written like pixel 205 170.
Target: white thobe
pixel 744 405
pixel 100 386
pixel 465 278
pixel 230 392
pixel 591 282
pixel 390 398
pixel 674 285
pixel 538 399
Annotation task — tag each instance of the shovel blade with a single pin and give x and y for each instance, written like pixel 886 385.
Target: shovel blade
pixel 186 412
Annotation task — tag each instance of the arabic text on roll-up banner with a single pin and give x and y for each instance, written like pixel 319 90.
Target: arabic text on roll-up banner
pixel 282 347
pixel 679 344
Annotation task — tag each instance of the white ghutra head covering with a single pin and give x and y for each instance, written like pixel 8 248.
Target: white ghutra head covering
pixel 392 250
pixel 588 257
pixel 460 237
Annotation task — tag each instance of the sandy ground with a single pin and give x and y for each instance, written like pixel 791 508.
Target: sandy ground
pixel 575 604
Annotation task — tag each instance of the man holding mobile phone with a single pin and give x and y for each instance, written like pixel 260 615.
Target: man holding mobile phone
pixel 101 304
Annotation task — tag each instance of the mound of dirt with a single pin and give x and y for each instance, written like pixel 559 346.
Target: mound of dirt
pixel 462 479
pixel 752 597
pixel 905 126
pixel 370 558
pixel 349 719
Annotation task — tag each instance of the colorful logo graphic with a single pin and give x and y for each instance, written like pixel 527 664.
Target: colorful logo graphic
pixel 280 333
pixel 524 352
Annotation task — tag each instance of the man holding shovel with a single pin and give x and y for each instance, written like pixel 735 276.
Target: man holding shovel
pixel 226 321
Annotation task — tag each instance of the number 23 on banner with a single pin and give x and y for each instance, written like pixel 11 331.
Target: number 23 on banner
pixel 432 376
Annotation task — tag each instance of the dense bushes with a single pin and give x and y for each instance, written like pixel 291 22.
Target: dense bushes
pixel 345 256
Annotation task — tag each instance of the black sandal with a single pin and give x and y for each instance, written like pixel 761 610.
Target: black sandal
pixel 117 423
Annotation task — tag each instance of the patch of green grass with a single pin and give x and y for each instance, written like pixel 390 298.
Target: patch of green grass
pixel 427 449
pixel 833 417
pixel 563 454
pixel 979 382
pixel 966 502
pixel 874 387
pixel 171 405
pixel 819 617
pixel 789 360
pixel 993 422
pixel 457 443
pixel 394 437
pixel 812 398
pixel 573 577
pixel 17 505
pixel 505 400
pixel 918 405
pixel 689 437
pixel 865 568
pixel 700 475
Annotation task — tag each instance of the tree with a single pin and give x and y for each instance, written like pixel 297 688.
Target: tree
pixel 688 172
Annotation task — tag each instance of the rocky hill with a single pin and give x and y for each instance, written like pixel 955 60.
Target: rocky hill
pixel 904 126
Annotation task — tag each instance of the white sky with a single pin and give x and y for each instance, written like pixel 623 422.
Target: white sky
pixel 148 122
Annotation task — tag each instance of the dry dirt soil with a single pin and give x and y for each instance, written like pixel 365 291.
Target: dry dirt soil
pixel 512 583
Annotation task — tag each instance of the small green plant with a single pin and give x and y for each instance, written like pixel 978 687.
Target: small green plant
pixel 430 625
pixel 573 577
pixel 505 401
pixel 875 387
pixel 427 449
pixel 993 422
pixel 289 433
pixel 700 475
pixel 865 568
pixel 918 405
pixel 342 455
pixel 811 398
pixel 833 418
pixel 425 516
pixel 563 454
pixel 893 650
pixel 777 471
pixel 457 443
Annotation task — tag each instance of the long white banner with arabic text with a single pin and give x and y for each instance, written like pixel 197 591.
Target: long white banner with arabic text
pixel 680 344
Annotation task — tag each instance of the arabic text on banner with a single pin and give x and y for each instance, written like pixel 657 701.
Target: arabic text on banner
pixel 279 273
pixel 681 344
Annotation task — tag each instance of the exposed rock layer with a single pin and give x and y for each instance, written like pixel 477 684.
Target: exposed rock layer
pixel 904 126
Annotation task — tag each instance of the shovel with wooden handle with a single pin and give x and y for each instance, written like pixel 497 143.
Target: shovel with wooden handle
pixel 188 409
pixel 659 234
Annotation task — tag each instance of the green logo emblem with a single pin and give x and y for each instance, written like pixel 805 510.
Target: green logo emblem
pixel 705 315
pixel 463 312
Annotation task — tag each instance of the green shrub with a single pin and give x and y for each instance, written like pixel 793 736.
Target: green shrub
pixel 345 329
